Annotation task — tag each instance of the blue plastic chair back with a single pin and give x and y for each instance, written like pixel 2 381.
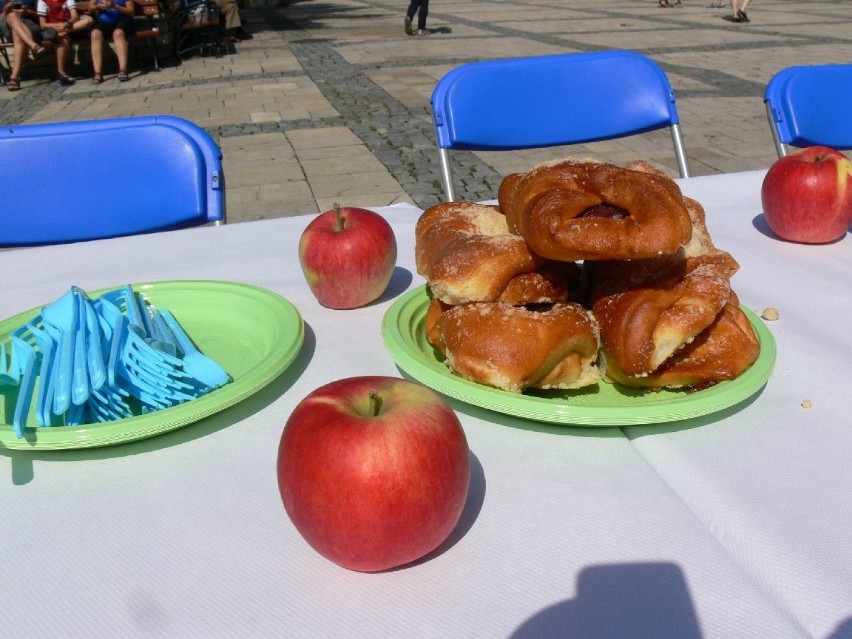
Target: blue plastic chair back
pixel 809 106
pixel 76 181
pixel 524 103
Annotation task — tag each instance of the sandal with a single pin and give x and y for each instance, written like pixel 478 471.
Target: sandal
pixel 98 78
pixel 122 76
pixel 665 4
pixel 13 84
pixel 38 50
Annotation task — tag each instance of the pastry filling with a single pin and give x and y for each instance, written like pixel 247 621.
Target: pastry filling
pixel 605 210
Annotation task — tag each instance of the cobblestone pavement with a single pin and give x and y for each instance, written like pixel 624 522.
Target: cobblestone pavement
pixel 330 101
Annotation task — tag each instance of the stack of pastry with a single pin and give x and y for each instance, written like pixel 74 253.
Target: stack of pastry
pixel 655 308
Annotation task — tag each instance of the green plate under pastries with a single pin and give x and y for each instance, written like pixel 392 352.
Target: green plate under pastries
pixel 253 333
pixel 602 405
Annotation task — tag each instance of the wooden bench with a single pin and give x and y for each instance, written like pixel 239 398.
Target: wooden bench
pixel 3 46
pixel 146 13
pixel 200 27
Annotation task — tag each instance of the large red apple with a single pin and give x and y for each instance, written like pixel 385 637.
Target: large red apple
pixel 373 471
pixel 807 195
pixel 348 256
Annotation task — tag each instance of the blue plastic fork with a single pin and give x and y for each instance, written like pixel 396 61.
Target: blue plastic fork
pixel 148 374
pixel 46 337
pixel 10 374
pixel 197 364
pixel 27 358
pixel 62 315
pixel 95 362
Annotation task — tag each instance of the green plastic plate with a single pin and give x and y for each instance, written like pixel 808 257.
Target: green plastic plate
pixel 253 333
pixel 602 405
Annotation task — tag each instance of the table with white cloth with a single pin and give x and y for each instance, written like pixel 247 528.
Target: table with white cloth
pixel 733 524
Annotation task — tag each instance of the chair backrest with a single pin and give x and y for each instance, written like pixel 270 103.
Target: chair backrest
pixel 75 181
pixel 525 103
pixel 809 106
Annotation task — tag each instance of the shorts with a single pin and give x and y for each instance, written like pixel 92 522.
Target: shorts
pixel 126 24
pixel 29 23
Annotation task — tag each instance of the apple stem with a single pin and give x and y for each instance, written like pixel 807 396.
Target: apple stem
pixel 337 216
pixel 375 403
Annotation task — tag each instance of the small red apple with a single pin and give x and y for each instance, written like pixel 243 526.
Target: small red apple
pixel 373 471
pixel 348 256
pixel 807 195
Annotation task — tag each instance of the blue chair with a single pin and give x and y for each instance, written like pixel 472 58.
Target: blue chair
pixel 809 106
pixel 77 181
pixel 574 98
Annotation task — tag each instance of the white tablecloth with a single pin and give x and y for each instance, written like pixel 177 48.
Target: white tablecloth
pixel 734 525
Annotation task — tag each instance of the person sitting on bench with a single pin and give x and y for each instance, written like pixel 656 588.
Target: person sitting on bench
pixel 62 15
pixel 19 25
pixel 113 19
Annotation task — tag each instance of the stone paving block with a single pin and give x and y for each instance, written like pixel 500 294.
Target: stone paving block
pixel 371 199
pixel 309 139
pixel 331 186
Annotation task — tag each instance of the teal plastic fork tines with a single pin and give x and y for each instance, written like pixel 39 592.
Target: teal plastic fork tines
pixel 61 316
pixel 10 374
pixel 94 360
pixel 27 359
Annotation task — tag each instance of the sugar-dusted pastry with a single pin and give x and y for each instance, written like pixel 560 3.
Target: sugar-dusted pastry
pixel 467 254
pixel 671 319
pixel 721 352
pixel 514 347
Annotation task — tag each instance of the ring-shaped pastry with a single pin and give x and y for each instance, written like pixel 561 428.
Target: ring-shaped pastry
pixel 581 210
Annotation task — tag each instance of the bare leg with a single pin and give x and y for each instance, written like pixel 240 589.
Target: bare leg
pixel 62 48
pixel 21 50
pixel 734 8
pixel 19 30
pixel 121 48
pixel 97 51
pixel 82 24
pixel 745 5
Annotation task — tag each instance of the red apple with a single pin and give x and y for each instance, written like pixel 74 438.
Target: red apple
pixel 373 471
pixel 348 256
pixel 807 195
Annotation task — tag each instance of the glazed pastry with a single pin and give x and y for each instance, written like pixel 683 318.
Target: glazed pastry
pixel 671 319
pixel 721 352
pixel 467 254
pixel 573 210
pixel 514 348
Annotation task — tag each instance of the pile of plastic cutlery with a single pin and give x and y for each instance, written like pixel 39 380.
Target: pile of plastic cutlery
pixel 95 360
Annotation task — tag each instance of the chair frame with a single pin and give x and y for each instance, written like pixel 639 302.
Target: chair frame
pixel 3 46
pixel 444 121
